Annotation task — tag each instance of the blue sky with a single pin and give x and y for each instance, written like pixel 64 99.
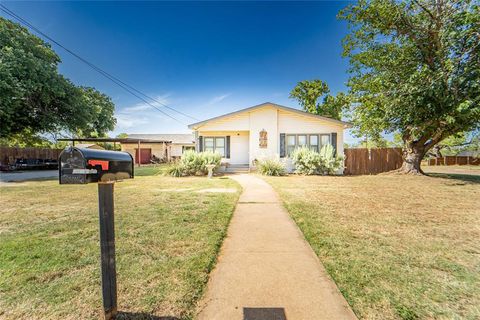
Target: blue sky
pixel 204 59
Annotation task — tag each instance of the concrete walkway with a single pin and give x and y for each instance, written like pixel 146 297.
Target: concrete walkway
pixel 266 269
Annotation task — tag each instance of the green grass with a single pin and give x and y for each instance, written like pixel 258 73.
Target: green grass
pixel 167 239
pixel 144 171
pixel 398 247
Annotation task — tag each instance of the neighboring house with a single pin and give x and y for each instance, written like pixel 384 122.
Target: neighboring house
pixel 89 146
pixel 265 131
pixel 469 153
pixel 165 147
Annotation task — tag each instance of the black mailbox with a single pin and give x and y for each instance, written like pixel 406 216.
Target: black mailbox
pixel 79 166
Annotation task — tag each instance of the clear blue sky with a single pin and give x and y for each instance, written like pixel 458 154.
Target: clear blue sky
pixel 204 59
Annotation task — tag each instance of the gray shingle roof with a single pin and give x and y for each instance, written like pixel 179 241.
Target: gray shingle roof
pixel 180 138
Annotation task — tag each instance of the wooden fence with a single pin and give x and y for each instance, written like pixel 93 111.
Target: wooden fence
pixel 372 161
pixel 8 155
pixel 453 160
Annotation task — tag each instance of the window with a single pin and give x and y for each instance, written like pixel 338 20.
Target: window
pixel 325 139
pixel 291 144
pixel 208 144
pixel 302 140
pixel 220 146
pixel 313 142
pixel 214 144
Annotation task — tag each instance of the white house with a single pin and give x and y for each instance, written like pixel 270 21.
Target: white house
pixel 267 130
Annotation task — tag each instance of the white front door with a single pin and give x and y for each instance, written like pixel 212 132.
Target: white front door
pixel 239 149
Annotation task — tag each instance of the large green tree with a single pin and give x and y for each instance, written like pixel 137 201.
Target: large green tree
pixel 415 69
pixel 308 94
pixel 36 99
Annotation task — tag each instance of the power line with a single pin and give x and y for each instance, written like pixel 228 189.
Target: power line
pixel 133 91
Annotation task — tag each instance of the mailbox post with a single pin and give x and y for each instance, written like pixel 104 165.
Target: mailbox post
pixel 107 248
pixel 81 166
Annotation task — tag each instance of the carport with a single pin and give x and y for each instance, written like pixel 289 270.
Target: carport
pixel 141 155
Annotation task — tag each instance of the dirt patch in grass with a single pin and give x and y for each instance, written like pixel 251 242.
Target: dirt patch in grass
pixel 398 247
pixel 166 244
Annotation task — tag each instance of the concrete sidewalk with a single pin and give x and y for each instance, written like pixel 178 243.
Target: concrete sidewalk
pixel 266 270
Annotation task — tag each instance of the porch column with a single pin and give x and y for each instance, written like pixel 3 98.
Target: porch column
pixel 139 153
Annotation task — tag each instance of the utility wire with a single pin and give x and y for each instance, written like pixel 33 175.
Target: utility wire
pixel 114 79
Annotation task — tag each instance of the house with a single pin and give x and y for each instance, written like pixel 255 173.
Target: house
pixel 267 130
pixel 89 146
pixel 161 147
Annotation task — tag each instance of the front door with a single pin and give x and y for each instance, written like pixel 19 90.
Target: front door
pixel 239 149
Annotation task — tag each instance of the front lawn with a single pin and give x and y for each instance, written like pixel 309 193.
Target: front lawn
pixel 168 233
pixel 398 247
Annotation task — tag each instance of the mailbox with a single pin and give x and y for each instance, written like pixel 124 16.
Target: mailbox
pixel 79 166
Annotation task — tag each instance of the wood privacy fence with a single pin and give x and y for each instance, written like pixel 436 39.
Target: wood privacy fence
pixel 372 161
pixel 453 160
pixel 8 155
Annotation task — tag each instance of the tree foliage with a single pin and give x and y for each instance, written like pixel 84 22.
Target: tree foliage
pixel 415 69
pixel 36 99
pixel 308 94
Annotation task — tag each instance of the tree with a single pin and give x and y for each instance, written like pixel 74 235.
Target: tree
pixel 36 99
pixel 307 93
pixel 415 69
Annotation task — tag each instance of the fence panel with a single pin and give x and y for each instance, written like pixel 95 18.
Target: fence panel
pixel 363 161
pixel 454 160
pixel 8 155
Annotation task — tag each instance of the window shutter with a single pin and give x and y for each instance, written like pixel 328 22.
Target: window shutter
pixel 200 144
pixel 334 143
pixel 282 145
pixel 227 147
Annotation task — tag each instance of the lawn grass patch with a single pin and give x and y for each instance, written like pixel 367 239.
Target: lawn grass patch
pixel 398 247
pixel 167 239
pixel 150 170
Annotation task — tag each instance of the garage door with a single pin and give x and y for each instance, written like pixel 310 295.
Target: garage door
pixel 146 155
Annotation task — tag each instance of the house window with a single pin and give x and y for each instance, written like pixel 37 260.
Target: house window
pixel 302 140
pixel 208 144
pixel 313 142
pixel 291 144
pixel 214 144
pixel 324 139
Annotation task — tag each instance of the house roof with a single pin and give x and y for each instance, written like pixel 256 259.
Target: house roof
pixel 289 109
pixel 181 138
pixel 88 145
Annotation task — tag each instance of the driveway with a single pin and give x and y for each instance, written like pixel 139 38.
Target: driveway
pixel 28 175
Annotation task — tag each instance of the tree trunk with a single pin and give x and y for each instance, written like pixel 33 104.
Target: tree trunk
pixel 412 158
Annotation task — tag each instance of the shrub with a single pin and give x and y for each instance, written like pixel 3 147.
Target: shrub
pixel 306 161
pixel 271 168
pixel 194 163
pixel 310 162
pixel 330 163
pixel 176 170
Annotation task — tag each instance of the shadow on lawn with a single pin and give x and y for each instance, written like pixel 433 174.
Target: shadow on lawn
pixel 456 176
pixel 141 316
